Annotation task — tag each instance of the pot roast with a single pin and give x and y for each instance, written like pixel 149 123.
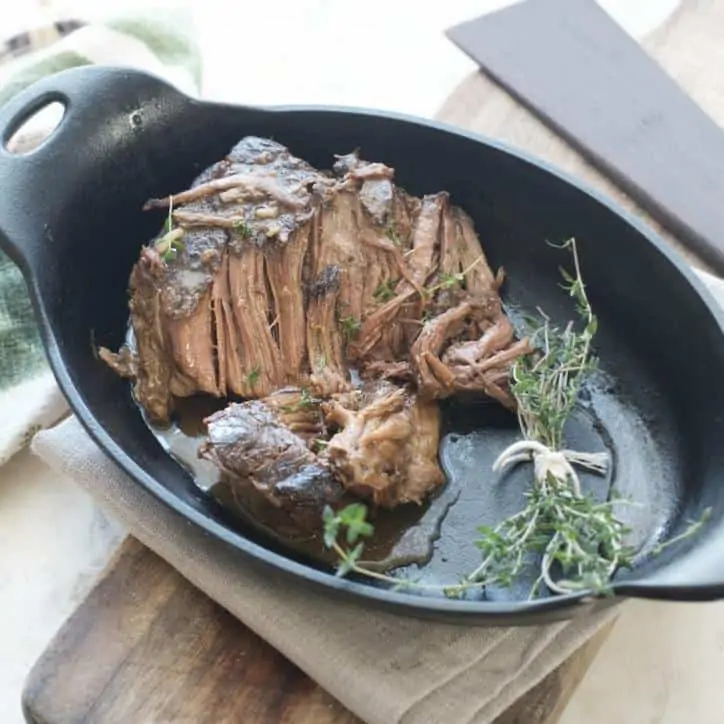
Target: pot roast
pixel 339 308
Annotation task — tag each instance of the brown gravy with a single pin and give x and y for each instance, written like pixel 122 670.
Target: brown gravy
pixel 403 536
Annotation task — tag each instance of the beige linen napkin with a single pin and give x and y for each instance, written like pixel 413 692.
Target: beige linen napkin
pixel 384 668
pixel 387 669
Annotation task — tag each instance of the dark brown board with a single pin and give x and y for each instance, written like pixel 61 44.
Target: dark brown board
pixel 147 646
pixel 584 76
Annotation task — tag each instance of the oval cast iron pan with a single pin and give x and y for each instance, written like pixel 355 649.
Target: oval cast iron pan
pixel 70 216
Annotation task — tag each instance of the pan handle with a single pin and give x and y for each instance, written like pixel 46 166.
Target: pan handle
pixel 98 102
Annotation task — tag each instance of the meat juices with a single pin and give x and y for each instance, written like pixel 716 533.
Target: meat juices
pixel 273 276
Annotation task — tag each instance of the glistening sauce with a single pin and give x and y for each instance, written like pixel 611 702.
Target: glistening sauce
pixel 403 536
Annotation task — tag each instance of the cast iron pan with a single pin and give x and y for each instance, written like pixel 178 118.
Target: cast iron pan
pixel 70 216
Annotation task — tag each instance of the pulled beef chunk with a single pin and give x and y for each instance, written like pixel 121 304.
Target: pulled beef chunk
pixel 154 364
pixel 123 363
pixel 261 363
pixel 272 473
pixel 324 339
pixel 217 302
pixel 471 366
pixel 283 285
pixel 386 450
pixel 468 344
pixel 434 378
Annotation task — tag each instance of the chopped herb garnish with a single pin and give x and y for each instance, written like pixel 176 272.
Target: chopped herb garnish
pixel 448 281
pixel 451 280
pixel 253 377
pixel 243 229
pixel 385 291
pixel 306 401
pixel 170 244
pixel 392 234
pixel 350 326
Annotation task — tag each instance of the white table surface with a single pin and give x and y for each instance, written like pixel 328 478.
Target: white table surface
pixel 662 663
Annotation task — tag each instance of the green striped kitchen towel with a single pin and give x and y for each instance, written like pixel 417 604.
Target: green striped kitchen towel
pixel 158 40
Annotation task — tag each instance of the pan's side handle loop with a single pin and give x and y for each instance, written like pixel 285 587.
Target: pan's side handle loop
pixel 18 114
pixel 36 185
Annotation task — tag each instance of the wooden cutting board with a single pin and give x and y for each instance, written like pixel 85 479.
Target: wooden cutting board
pixel 147 647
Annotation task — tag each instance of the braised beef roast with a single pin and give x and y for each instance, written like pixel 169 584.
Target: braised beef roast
pixel 274 279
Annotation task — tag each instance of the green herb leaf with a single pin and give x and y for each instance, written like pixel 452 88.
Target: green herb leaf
pixel 170 245
pixel 243 229
pixel 306 400
pixel 253 377
pixel 357 529
pixel 331 530
pixel 392 234
pixel 566 275
pixel 453 591
pixel 449 281
pixel 385 291
pixel 349 325
pixel 344 566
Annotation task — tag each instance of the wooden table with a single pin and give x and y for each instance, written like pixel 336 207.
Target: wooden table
pixel 147 647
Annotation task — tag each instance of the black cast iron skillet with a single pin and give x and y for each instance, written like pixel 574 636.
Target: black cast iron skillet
pixel 70 216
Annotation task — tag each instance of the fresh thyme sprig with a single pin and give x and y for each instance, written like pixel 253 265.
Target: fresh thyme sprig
pixel 570 533
pixel 546 385
pixel 580 536
pixel 506 547
pixel 170 244
pixel 693 528
pixel 352 522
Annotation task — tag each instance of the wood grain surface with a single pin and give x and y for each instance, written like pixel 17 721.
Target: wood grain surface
pixel 147 647
pixel 581 73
